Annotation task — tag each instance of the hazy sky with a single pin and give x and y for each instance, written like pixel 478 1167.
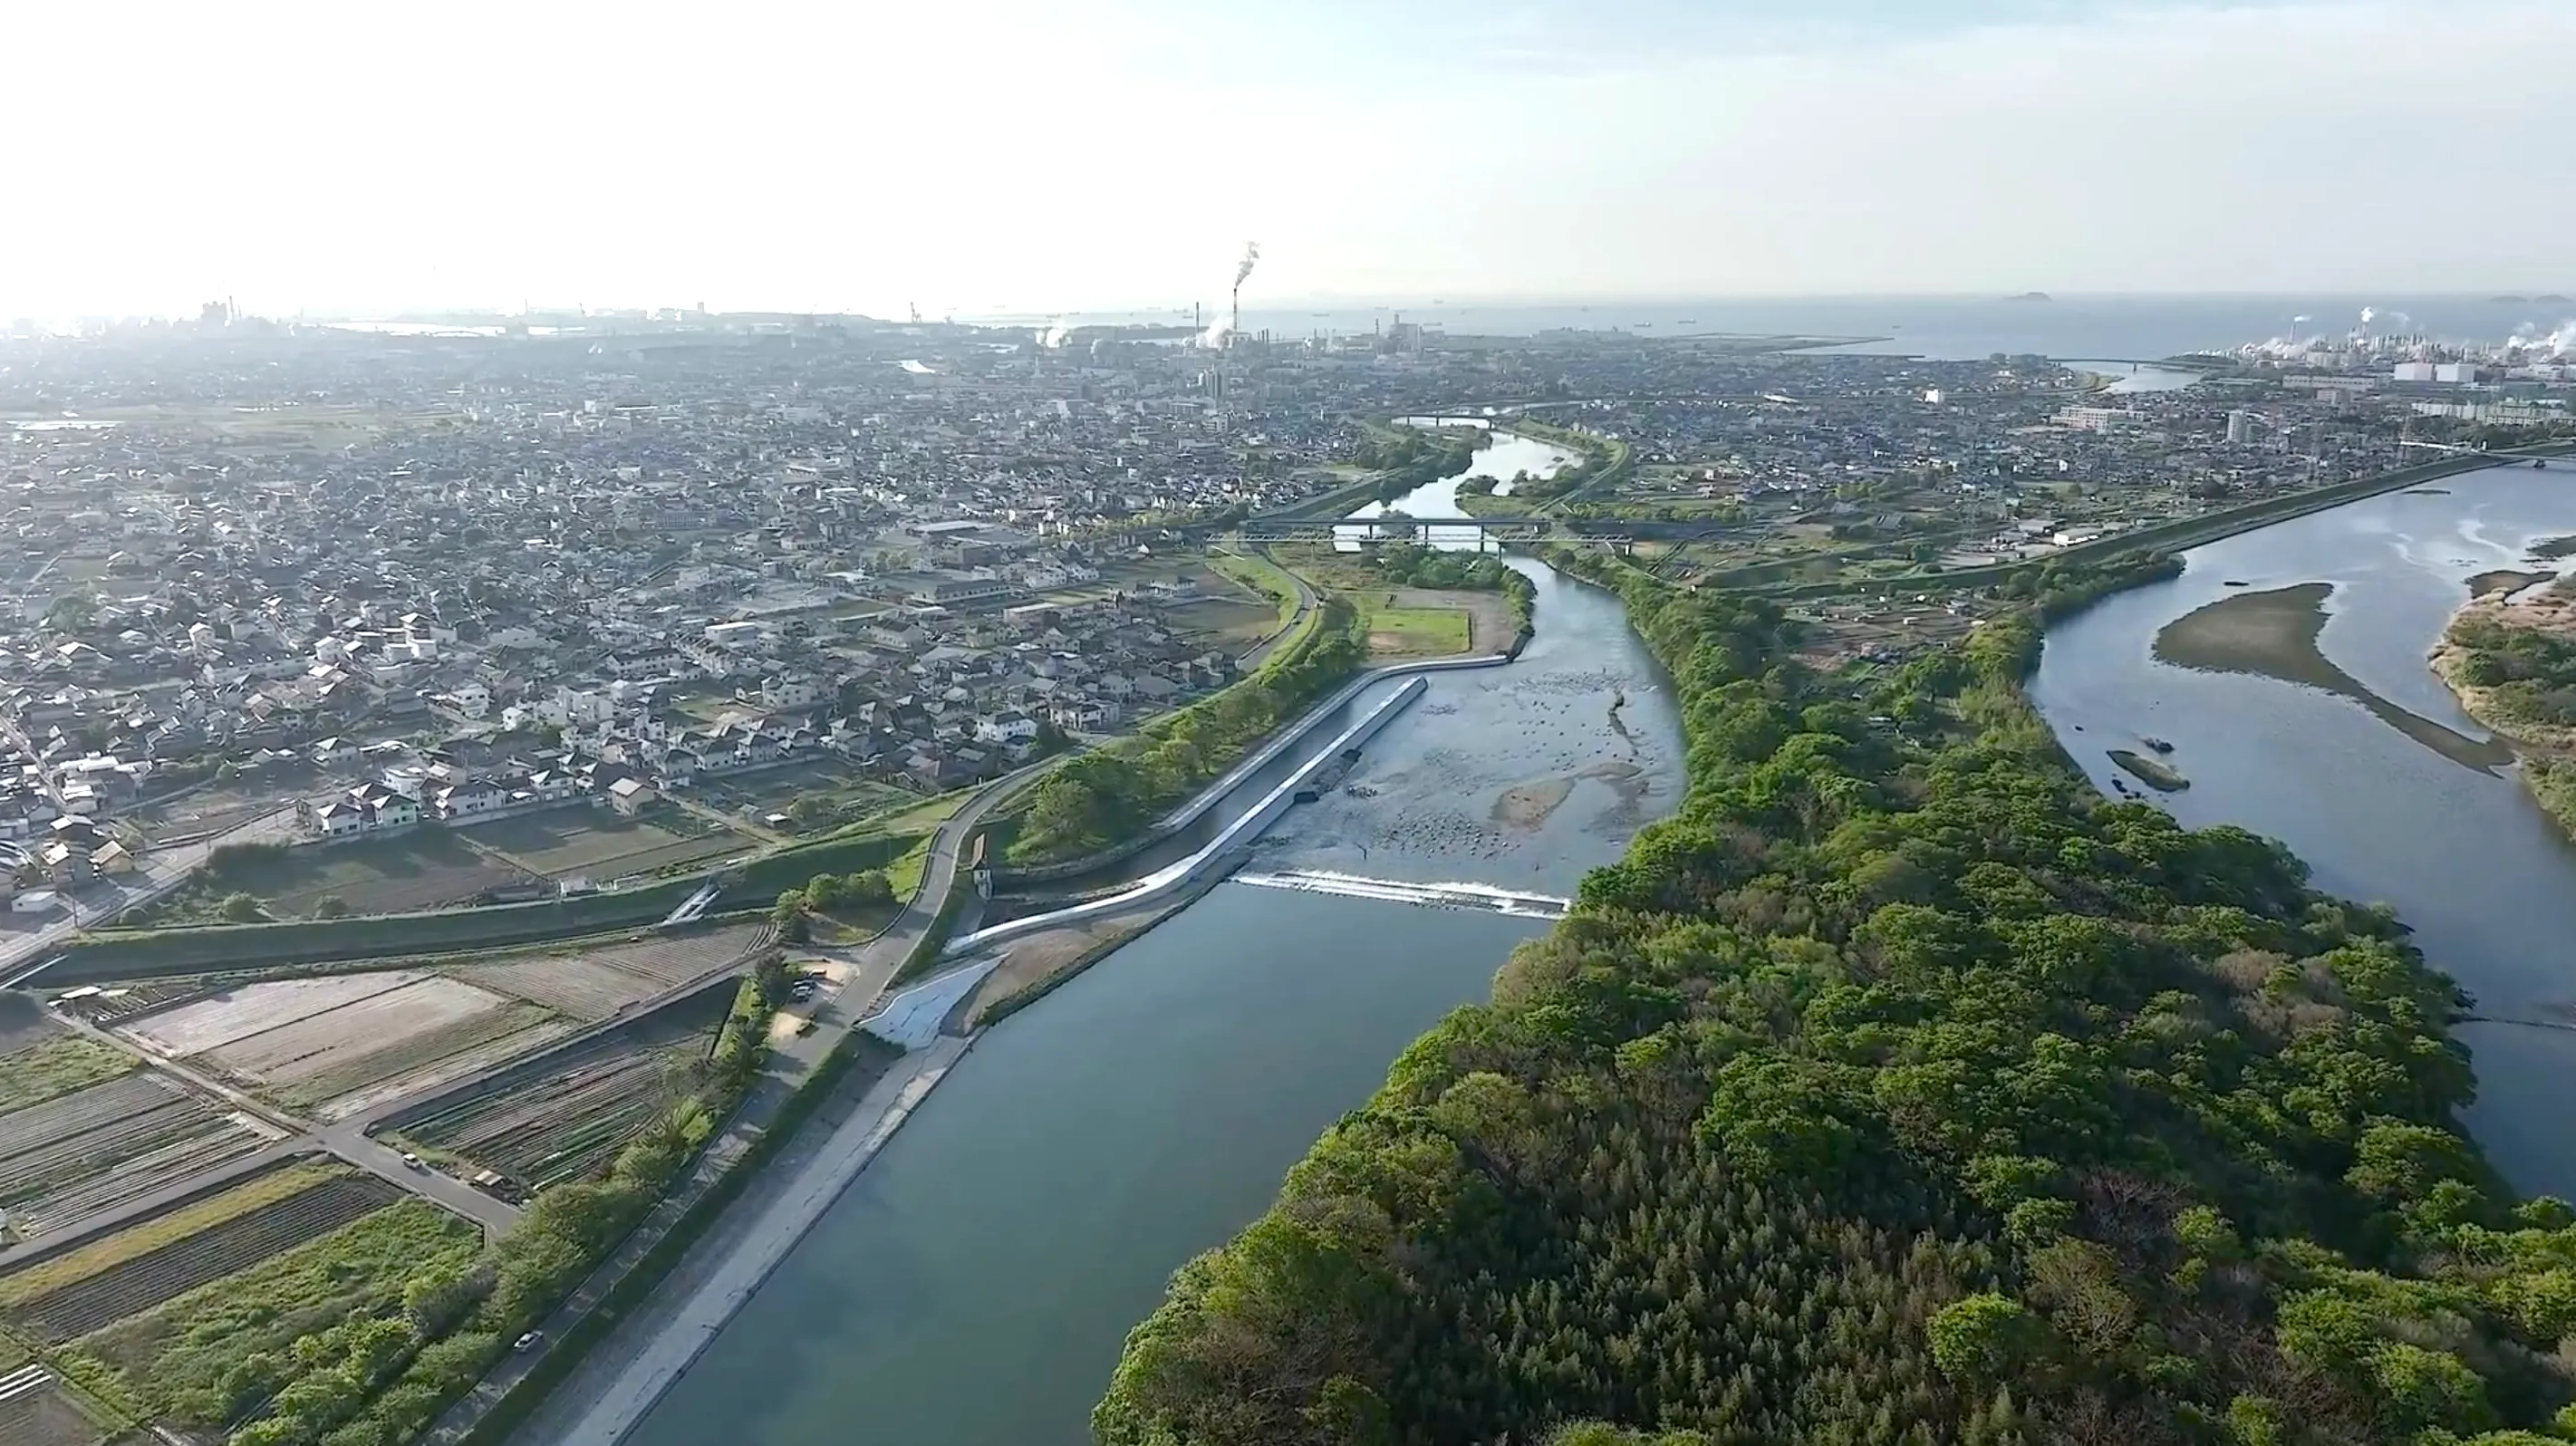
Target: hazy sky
pixel 984 155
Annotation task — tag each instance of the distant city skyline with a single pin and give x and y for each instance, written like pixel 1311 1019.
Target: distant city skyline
pixel 1014 157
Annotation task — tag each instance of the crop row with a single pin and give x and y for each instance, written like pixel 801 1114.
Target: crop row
pixel 175 1269
pixel 77 1113
pixel 41 1415
pixel 563 1128
pixel 113 1182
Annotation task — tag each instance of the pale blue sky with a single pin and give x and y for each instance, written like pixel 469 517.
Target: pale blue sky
pixel 980 155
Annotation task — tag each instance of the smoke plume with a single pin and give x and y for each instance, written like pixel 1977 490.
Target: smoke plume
pixel 1243 268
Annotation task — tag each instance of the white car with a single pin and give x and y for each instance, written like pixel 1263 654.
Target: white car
pixel 529 1341
pixel 414 1162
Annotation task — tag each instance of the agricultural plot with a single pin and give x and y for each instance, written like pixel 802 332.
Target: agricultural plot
pixel 596 983
pixel 312 1042
pixel 104 1145
pixel 36 1411
pixel 570 1122
pixel 842 789
pixel 169 1271
pixel 64 1064
pixel 418 871
pixel 54 1272
pixel 249 1009
pixel 599 844
pixel 175 1358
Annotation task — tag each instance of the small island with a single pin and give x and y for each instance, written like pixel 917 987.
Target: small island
pixel 2031 296
pixel 2508 299
pixel 2551 299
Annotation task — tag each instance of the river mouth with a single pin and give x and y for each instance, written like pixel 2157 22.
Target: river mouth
pixel 2274 634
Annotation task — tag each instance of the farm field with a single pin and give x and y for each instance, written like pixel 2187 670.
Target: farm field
pixel 836 785
pixel 600 844
pixel 64 1064
pixel 596 983
pixel 570 1121
pixel 421 870
pixel 166 1272
pixel 35 1410
pixel 312 1042
pixel 101 1146
pixel 189 1358
pixel 54 1272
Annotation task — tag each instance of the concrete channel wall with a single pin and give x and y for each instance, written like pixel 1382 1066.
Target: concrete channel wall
pixel 1253 762
pixel 1181 875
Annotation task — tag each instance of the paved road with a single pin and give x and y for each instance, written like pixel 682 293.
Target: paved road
pixel 158 872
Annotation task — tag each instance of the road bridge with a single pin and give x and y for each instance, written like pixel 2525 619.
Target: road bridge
pixel 1501 527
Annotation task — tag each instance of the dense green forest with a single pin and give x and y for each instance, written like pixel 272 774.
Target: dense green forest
pixel 1900 1089
pixel 1110 793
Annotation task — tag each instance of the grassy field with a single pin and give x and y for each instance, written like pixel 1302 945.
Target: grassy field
pixel 1411 632
pixel 65 1064
pixel 99 1256
pixel 423 869
pixel 602 844
pixel 174 1360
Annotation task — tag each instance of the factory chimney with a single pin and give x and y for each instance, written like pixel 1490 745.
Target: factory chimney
pixel 1242 273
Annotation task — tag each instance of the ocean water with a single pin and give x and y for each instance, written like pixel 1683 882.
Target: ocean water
pixel 2074 327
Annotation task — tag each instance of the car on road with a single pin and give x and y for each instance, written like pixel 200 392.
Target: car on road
pixel 414 1162
pixel 528 1342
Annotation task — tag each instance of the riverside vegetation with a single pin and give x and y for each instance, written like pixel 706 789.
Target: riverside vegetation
pixel 1900 1089
pixel 2516 673
pixel 1114 792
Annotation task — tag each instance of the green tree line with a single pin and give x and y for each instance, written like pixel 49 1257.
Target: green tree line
pixel 1409 564
pixel 1114 792
pixel 1899 1089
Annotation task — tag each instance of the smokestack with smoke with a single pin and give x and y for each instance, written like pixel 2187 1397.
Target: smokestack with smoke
pixel 1242 273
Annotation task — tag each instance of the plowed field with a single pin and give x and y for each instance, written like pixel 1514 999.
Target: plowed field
pixel 175 1269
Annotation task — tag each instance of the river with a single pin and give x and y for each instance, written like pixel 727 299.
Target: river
pixel 977 1282
pixel 2360 759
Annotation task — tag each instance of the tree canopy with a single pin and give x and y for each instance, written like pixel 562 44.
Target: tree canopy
pixel 1899 1089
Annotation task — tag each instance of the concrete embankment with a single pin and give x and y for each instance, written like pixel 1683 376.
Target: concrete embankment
pixel 683 1327
pixel 1175 877
pixel 1260 758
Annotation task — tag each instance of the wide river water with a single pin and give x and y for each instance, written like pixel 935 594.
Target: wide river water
pixel 976 1283
pixel 2362 761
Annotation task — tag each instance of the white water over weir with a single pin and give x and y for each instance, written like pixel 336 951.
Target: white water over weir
pixel 1493 898
pixel 1175 877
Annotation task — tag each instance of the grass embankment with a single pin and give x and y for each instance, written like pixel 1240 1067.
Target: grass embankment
pixel 161 953
pixel 1263 576
pixel 65 1064
pixel 2514 669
